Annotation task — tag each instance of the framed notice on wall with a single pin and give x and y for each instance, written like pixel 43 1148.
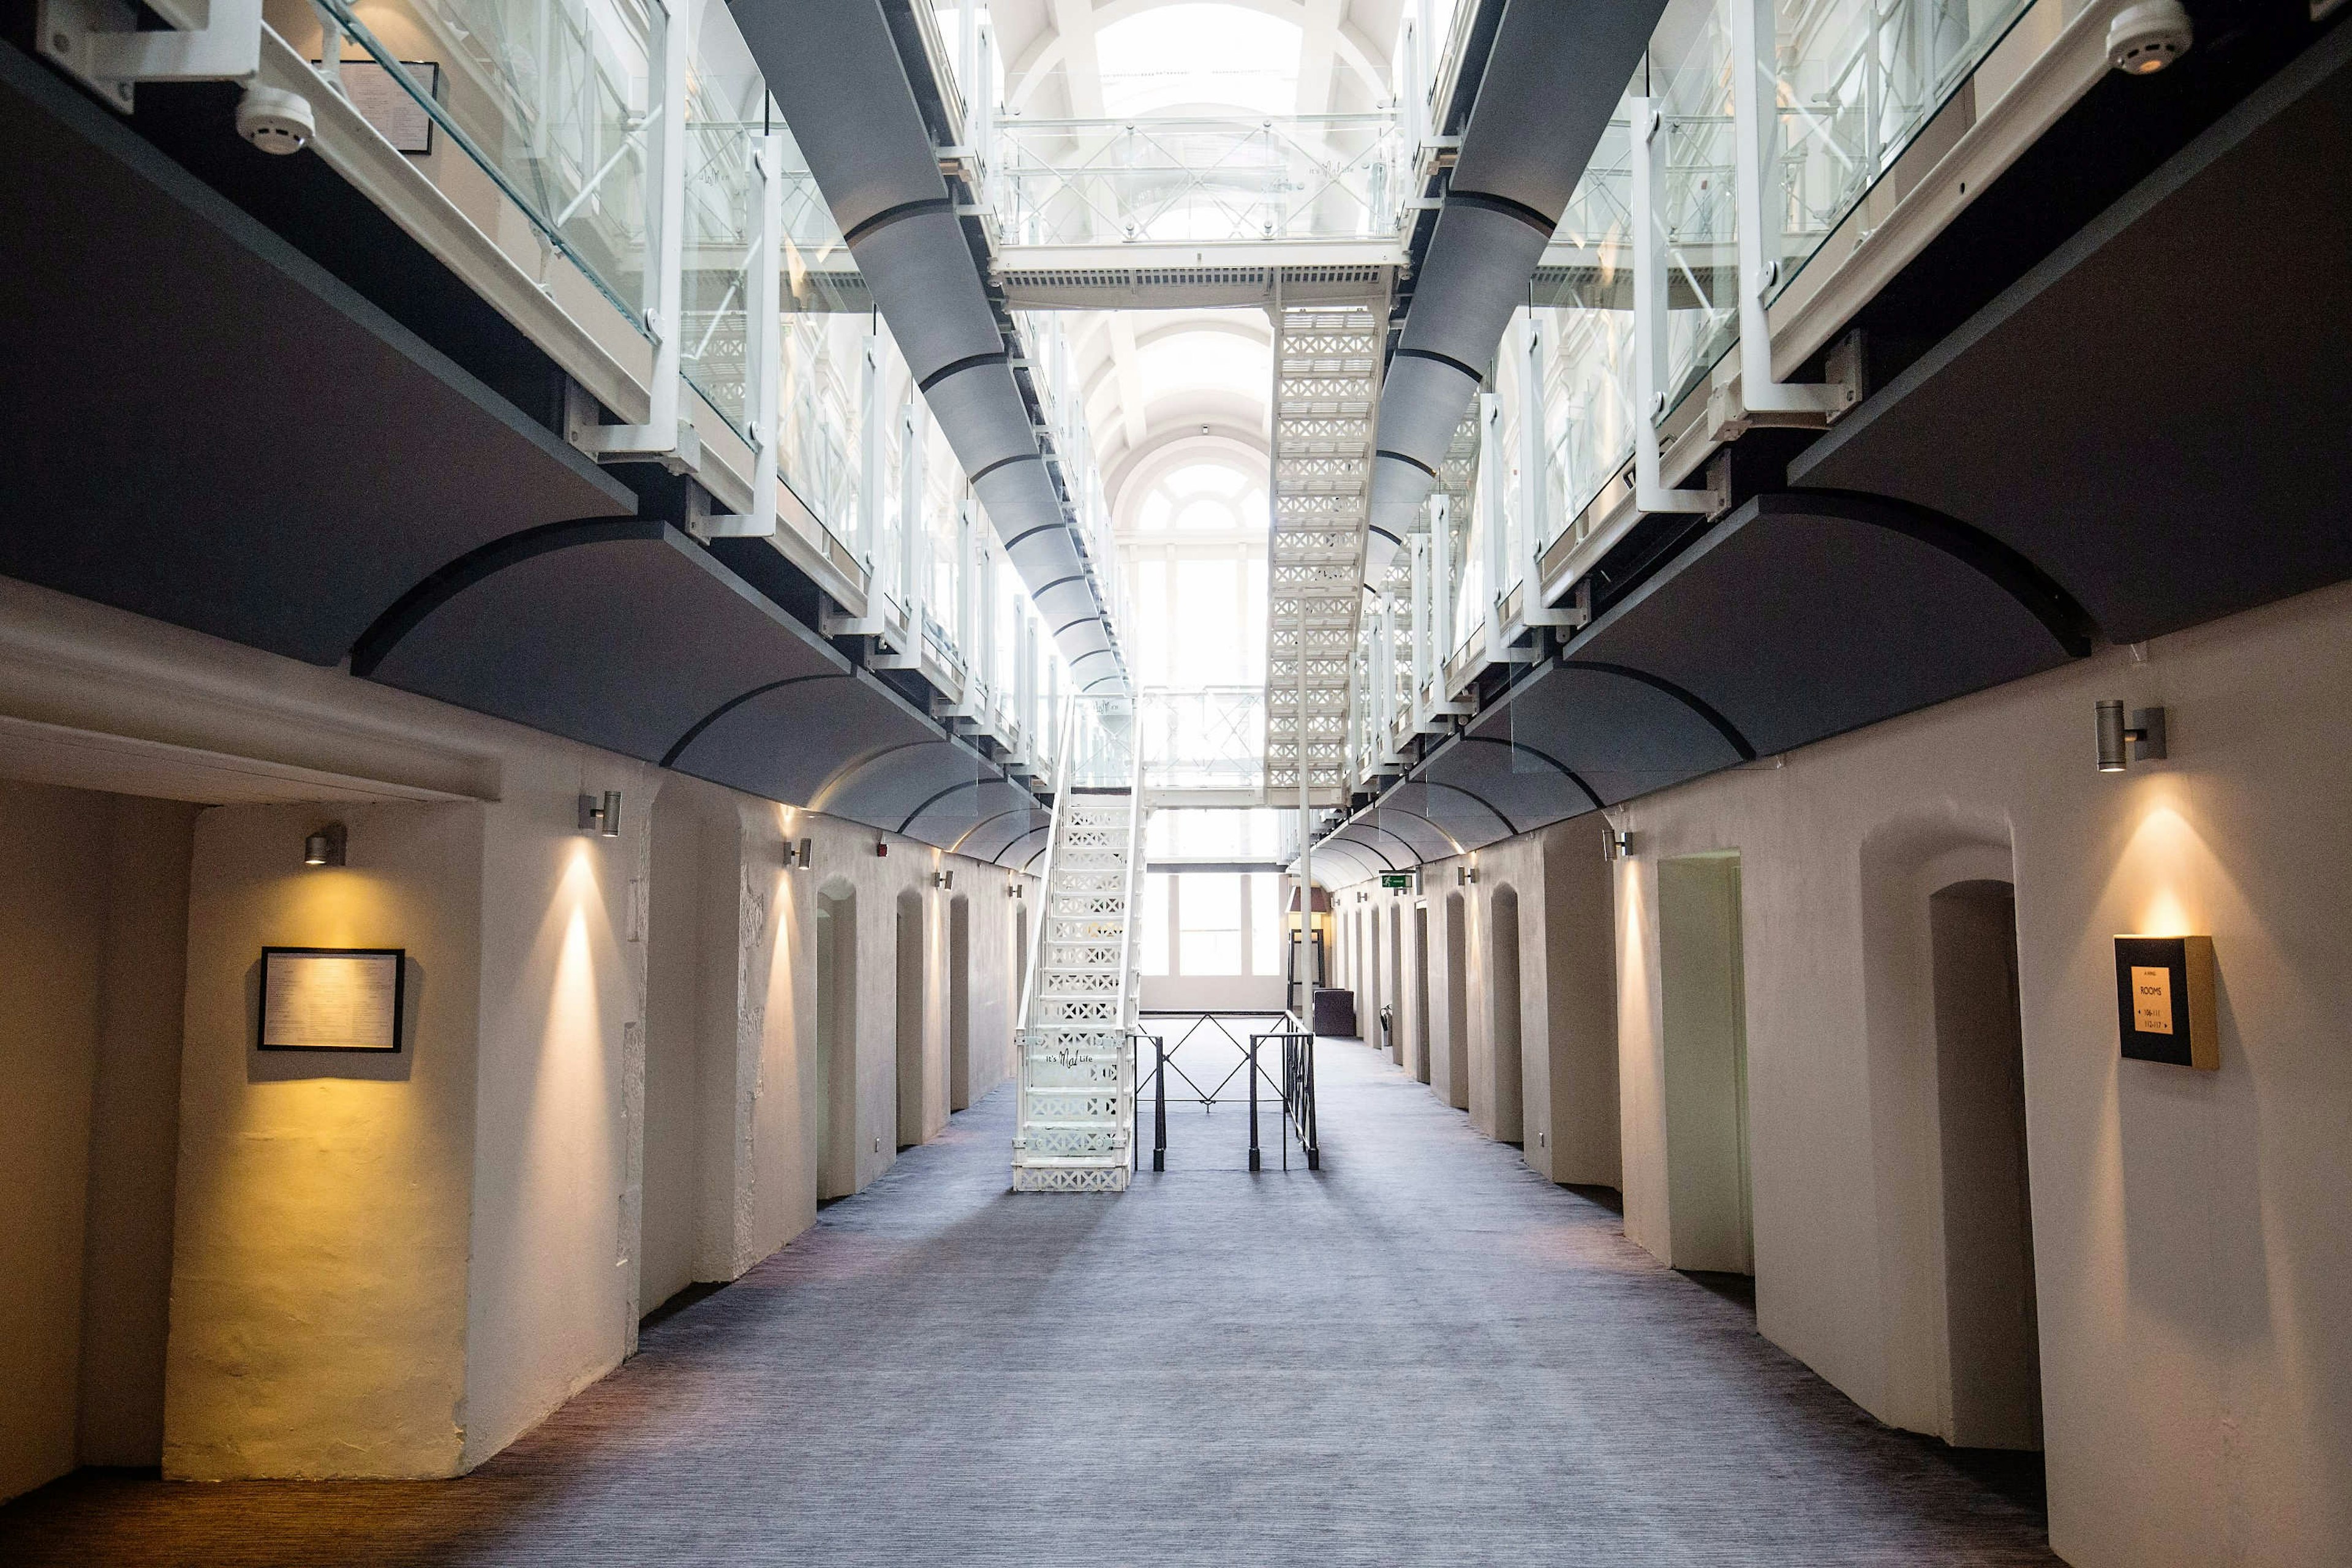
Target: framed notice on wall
pixel 331 998
pixel 2165 1005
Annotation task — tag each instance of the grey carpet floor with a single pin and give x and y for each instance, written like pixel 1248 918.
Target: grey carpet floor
pixel 1423 1354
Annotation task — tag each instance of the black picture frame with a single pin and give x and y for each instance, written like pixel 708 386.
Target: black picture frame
pixel 399 957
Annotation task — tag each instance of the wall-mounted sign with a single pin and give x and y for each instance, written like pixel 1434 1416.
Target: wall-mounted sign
pixel 331 998
pixel 1401 881
pixel 391 107
pixel 2164 1000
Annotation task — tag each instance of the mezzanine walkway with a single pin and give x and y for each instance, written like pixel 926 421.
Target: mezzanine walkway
pixel 1424 1354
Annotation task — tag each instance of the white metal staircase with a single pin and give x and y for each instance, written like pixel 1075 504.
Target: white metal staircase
pixel 1077 1113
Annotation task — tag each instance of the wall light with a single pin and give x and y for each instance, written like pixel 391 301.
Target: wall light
pixel 604 818
pixel 881 850
pixel 1616 846
pixel 1464 875
pixel 2145 733
pixel 798 854
pixel 2145 38
pixel 943 878
pixel 324 847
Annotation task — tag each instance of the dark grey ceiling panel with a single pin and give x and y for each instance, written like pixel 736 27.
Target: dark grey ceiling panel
pixel 892 786
pixel 1572 734
pixel 961 809
pixel 208 428
pixel 1406 835
pixel 625 634
pixel 1462 819
pixel 2156 414
pixel 833 68
pixel 1801 617
pixel 789 740
pixel 999 838
pixel 1522 786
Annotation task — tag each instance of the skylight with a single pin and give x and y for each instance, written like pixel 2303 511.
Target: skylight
pixel 1206 58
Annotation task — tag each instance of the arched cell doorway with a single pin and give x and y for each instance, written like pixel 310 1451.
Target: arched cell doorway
pixel 1503 1006
pixel 1702 996
pixel 1991 1331
pixel 959 1003
pixel 1420 1041
pixel 910 973
pixel 1457 1003
pixel 833 1104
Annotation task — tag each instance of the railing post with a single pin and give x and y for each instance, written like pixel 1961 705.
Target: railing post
pixel 1159 1102
pixel 869 470
pixel 1650 492
pixel 1314 1132
pixel 1494 517
pixel 1254 1161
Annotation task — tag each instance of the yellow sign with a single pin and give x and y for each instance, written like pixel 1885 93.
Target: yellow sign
pixel 2151 1000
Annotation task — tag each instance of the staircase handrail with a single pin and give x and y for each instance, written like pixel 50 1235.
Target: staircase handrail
pixel 1130 984
pixel 1039 940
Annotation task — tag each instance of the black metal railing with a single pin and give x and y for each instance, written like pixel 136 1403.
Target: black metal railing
pixel 1293 1090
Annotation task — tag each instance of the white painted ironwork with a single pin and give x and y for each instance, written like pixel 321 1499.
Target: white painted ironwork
pixel 1075 1127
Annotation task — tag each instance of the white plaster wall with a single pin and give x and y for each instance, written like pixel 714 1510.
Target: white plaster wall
pixel 2191 1249
pixel 54 932
pixel 320 1274
pixel 134 1136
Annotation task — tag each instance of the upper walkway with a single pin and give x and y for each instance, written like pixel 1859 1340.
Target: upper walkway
pixel 1423 1353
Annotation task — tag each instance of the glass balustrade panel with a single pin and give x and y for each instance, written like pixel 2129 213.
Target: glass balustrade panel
pixel 539 112
pixel 1690 66
pixel 1854 81
pixel 1585 294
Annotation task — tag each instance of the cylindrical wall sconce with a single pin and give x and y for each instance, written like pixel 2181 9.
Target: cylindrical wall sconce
pixel 2120 745
pixel 600 817
pixel 324 847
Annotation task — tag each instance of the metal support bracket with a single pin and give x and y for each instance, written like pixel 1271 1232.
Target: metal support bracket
pixel 1650 493
pixel 97 42
pixel 1758 397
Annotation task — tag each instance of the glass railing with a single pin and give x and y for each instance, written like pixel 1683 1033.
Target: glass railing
pixel 1854 81
pixel 1700 217
pixel 1585 296
pixel 722 231
pixel 1198 179
pixel 547 100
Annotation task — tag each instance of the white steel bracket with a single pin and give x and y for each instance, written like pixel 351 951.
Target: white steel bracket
pixel 667 435
pixel 97 42
pixel 764 309
pixel 1650 492
pixel 1762 397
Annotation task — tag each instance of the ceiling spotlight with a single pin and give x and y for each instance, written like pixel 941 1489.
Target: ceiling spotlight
pixel 324 847
pixel 600 817
pixel 2145 733
pixel 2145 38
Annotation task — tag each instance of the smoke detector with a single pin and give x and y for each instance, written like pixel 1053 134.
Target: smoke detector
pixel 2145 38
pixel 274 119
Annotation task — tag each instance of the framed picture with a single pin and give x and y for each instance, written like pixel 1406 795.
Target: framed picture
pixel 384 103
pixel 331 998
pixel 2165 1003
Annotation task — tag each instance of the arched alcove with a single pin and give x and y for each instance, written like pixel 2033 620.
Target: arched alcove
pixel 911 971
pixel 959 1003
pixel 1504 1065
pixel 833 1107
pixel 1457 1003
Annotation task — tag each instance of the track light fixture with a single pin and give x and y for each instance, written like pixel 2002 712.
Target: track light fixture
pixel 2145 733
pixel 600 817
pixel 324 847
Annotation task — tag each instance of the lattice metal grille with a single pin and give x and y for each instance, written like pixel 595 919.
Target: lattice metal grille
pixel 1326 392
